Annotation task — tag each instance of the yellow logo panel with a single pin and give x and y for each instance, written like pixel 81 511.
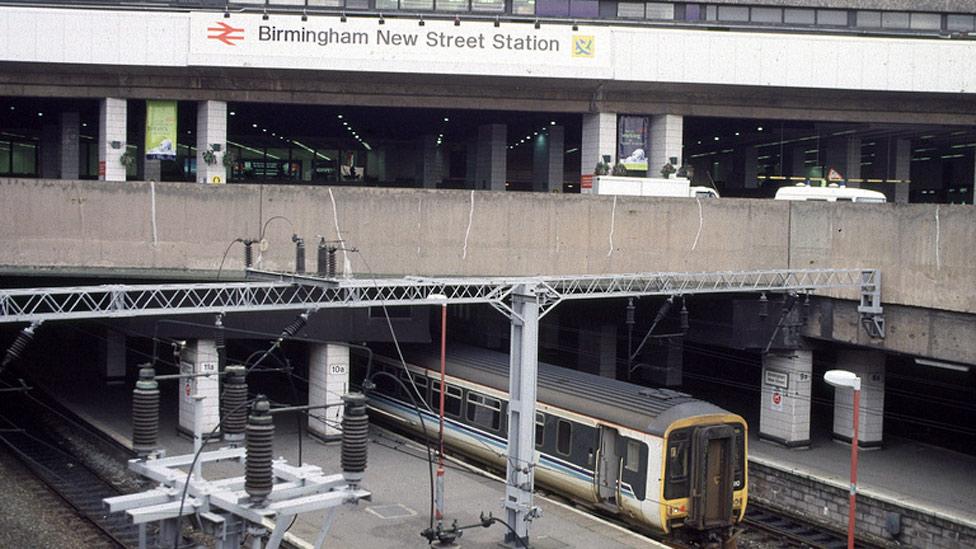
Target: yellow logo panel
pixel 583 46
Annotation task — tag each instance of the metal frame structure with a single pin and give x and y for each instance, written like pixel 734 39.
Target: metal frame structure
pixel 524 300
pixel 223 504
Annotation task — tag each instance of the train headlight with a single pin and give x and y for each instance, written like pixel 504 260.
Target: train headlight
pixel 674 510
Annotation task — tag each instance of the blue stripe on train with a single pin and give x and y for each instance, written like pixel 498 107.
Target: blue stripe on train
pixel 498 443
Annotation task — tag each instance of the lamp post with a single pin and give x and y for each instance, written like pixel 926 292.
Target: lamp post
pixel 439 493
pixel 843 378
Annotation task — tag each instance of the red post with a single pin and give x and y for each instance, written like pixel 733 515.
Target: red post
pixel 439 505
pixel 850 518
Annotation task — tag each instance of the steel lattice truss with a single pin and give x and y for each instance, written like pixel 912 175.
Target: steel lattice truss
pixel 282 291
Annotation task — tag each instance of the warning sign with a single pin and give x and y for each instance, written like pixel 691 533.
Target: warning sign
pixel 777 401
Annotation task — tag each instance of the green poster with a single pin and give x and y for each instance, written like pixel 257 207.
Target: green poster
pixel 161 130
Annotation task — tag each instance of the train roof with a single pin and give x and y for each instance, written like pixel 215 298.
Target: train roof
pixel 637 407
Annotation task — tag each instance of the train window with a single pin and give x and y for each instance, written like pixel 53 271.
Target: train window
pixel 452 400
pixel 564 437
pixel 678 460
pixel 632 462
pixel 540 429
pixel 484 411
pixel 420 381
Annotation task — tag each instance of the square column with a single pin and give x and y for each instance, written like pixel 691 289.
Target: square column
pixel 70 130
pixel 666 137
pixel 471 165
pixel 328 380
pixel 599 140
pixel 113 357
pixel 870 367
pixel 432 172
pixel 111 139
pixel 199 396
pixel 902 170
pixel 598 351
pixel 211 131
pixel 786 388
pixel 798 157
pixel 844 155
pixel 50 167
pixel 547 159
pixel 492 166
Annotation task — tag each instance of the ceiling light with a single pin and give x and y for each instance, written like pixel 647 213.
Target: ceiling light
pixel 716 138
pixel 265 130
pixel 737 134
pixel 84 124
pixel 339 116
pixel 254 125
pixel 552 122
pixel 232 113
pixel 759 129
pixel 40 114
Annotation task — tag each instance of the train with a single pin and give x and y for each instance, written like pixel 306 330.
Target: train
pixel 656 458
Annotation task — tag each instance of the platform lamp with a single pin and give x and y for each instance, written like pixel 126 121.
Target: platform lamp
pixel 843 378
pixel 439 492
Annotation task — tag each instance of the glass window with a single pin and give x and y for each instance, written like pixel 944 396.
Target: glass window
pixel 491 6
pixel 540 430
pixel 733 13
pixel 553 8
pixel 326 3
pixel 387 5
pixel 692 12
pixel 711 13
pixel 451 5
pixel 799 16
pixel 523 7
pixel 452 400
pixel 564 437
pixel 894 20
pixel 484 411
pixel 767 15
pixel 5 157
pixel 678 460
pixel 660 10
pixel 417 5
pixel 357 4
pixel 869 19
pixel 836 18
pixel 960 23
pixel 927 21
pixel 632 10
pixel 584 8
pixel 632 462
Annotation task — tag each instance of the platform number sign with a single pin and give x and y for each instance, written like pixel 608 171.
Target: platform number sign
pixel 338 369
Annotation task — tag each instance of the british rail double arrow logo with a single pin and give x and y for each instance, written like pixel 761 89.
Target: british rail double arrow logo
pixel 225 33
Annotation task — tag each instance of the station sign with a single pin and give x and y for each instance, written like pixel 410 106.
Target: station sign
pixel 775 378
pixel 399 45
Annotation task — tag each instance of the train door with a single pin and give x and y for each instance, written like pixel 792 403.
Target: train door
pixel 711 476
pixel 606 476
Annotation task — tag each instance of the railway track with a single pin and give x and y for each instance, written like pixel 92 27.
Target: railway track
pixel 794 532
pixel 52 459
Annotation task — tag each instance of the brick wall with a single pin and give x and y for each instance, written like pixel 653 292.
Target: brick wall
pixel 825 502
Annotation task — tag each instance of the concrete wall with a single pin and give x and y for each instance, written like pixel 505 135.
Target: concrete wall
pixel 827 503
pixel 92 226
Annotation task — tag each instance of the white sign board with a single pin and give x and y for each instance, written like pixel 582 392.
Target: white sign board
pixel 399 45
pixel 776 378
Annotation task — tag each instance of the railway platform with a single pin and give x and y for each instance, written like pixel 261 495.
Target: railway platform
pixel 396 475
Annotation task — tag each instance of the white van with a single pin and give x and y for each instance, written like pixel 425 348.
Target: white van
pixel 830 193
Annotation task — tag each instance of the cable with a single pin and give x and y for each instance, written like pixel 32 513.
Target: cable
pixel 227 251
pixel 510 529
pixel 423 427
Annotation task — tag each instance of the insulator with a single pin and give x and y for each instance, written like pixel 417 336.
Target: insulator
pixel 763 306
pixel 806 308
pixel 232 403
pixel 322 258
pixel 663 311
pixel 248 253
pixel 355 434
pixel 299 253
pixel 331 265
pixel 684 316
pixel 145 413
pixel 630 311
pixel 258 475
pixel 16 349
pixel 293 328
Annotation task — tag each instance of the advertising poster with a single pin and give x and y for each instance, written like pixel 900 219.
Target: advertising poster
pixel 632 142
pixel 160 130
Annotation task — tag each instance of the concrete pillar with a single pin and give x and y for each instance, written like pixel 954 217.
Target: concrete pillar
pixel 113 357
pixel 328 380
pixel 211 134
pixel 786 388
pixel 598 351
pixel 433 161
pixel 50 167
pixel 152 169
pixel 666 137
pixel 492 163
pixel 798 157
pixel 375 165
pixel 547 159
pixel 111 139
pixel 902 169
pixel 870 367
pixel 750 167
pixel 70 145
pixel 599 140
pixel 199 396
pixel 471 165
pixel 844 155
